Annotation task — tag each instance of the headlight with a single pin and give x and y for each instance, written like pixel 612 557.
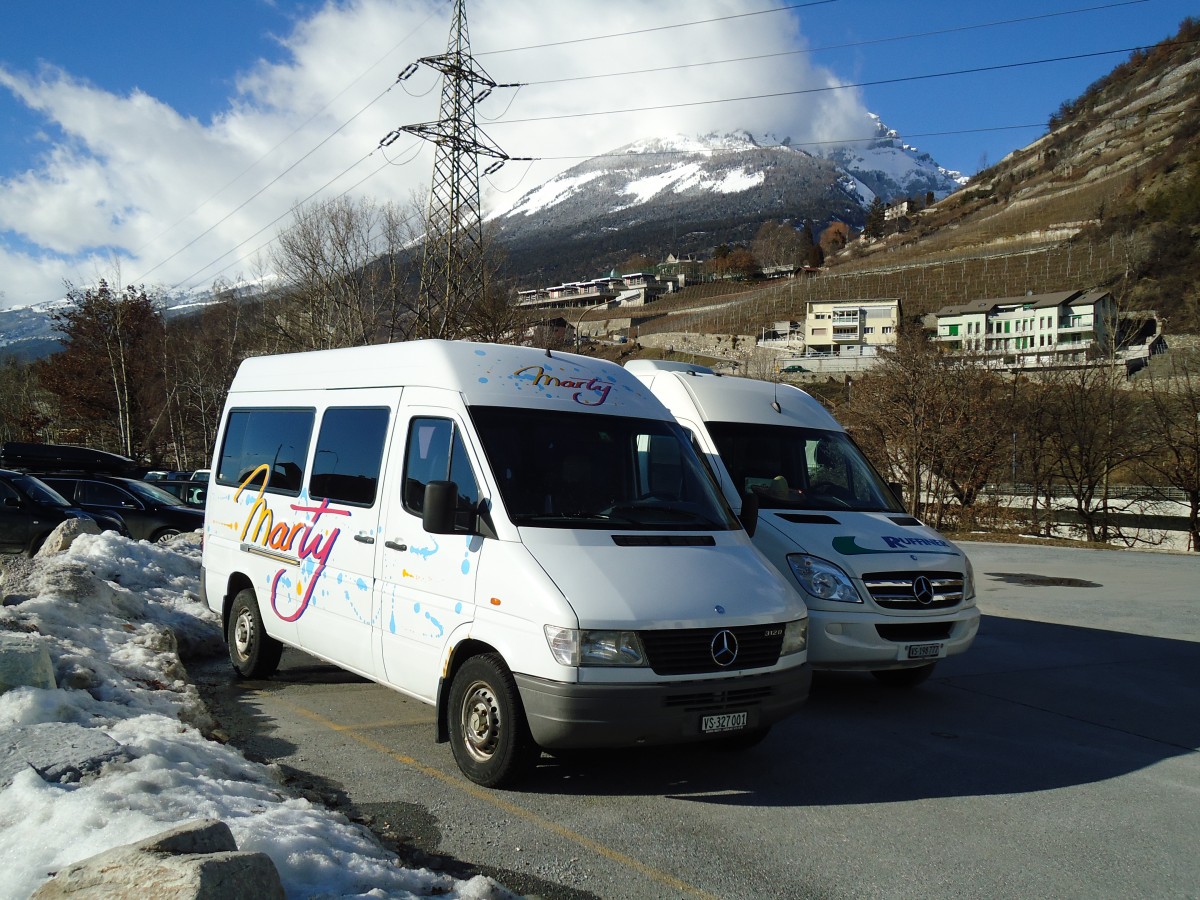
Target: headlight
pixel 580 647
pixel 795 637
pixel 968 581
pixel 822 579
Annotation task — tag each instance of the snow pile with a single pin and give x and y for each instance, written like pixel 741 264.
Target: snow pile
pixel 114 615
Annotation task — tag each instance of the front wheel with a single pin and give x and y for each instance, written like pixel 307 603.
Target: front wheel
pixel 253 652
pixel 161 536
pixel 904 678
pixel 489 735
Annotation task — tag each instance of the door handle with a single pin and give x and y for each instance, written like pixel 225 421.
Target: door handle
pixel 364 538
pixel 395 545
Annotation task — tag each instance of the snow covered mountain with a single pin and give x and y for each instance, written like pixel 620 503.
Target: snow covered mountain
pixel 687 194
pixel 27 332
pixel 890 168
pixel 676 195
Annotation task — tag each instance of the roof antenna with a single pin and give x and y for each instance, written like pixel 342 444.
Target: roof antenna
pixel 548 352
pixel 775 403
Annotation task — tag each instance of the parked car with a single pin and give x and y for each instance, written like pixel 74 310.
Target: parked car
pixel 97 482
pixel 31 509
pixel 150 512
pixel 192 492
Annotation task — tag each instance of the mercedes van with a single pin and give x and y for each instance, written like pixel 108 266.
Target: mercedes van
pixel 524 539
pixel 885 593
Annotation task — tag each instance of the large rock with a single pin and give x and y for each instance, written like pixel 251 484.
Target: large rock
pixel 62 537
pixel 195 861
pixel 59 752
pixel 24 662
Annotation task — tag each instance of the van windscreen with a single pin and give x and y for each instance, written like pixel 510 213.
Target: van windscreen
pixel 581 470
pixel 788 467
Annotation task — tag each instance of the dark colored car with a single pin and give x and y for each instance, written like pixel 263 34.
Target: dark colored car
pixel 150 513
pixel 30 510
pixel 192 493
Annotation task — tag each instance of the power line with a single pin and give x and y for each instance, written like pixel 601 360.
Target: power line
pixel 279 144
pixel 268 243
pixel 835 87
pixel 178 284
pixel 623 34
pixel 847 46
pixel 257 193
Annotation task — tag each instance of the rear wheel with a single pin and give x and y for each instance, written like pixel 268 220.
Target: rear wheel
pixel 253 652
pixel 489 735
pixel 910 677
pixel 161 536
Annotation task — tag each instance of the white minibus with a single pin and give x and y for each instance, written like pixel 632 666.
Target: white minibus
pixel 886 593
pixel 523 539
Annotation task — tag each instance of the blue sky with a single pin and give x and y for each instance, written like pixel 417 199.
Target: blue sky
pixel 165 143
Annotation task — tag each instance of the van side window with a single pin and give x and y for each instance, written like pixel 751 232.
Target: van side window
pixel 349 455
pixel 276 438
pixel 436 453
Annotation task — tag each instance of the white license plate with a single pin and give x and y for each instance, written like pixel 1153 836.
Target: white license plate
pixel 723 722
pixel 923 651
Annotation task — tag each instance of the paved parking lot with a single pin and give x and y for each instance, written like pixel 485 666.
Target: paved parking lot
pixel 1058 758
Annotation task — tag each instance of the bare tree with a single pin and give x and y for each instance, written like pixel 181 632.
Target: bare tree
pixel 892 410
pixel 340 281
pixel 107 379
pixel 1173 459
pixel 22 416
pixel 1099 434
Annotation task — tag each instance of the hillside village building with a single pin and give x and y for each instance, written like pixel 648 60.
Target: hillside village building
pixel 850 327
pixel 1034 330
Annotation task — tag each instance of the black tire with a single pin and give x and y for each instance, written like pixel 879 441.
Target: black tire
pixel 904 678
pixel 253 652
pixel 489 734
pixel 161 536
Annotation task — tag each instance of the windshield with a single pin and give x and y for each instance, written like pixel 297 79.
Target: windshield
pixel 575 470
pixel 40 491
pixel 800 468
pixel 153 493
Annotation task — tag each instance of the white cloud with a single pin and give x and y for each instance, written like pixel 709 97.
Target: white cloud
pixel 128 175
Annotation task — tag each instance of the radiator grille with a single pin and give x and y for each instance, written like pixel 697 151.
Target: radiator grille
pixel 915 590
pixel 689 651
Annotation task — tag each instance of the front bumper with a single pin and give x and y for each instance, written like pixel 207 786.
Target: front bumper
pixel 847 641
pixel 594 716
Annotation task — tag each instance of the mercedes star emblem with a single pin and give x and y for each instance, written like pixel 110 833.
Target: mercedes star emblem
pixel 922 590
pixel 724 648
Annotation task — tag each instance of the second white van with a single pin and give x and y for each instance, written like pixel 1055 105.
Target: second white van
pixel 886 593
pixel 524 539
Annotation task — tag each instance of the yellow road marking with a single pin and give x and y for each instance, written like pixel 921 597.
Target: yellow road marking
pixel 498 801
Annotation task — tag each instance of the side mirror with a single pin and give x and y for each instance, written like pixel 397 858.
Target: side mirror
pixel 897 490
pixel 12 502
pixel 439 506
pixel 749 513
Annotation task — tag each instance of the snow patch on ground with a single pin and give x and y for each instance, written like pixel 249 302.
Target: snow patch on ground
pixel 114 615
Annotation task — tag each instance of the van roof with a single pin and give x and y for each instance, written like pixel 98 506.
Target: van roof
pixel 727 398
pixel 485 374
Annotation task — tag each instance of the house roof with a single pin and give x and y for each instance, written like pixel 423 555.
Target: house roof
pixel 1032 301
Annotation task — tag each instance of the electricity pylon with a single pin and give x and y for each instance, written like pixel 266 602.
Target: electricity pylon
pixel 452 269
